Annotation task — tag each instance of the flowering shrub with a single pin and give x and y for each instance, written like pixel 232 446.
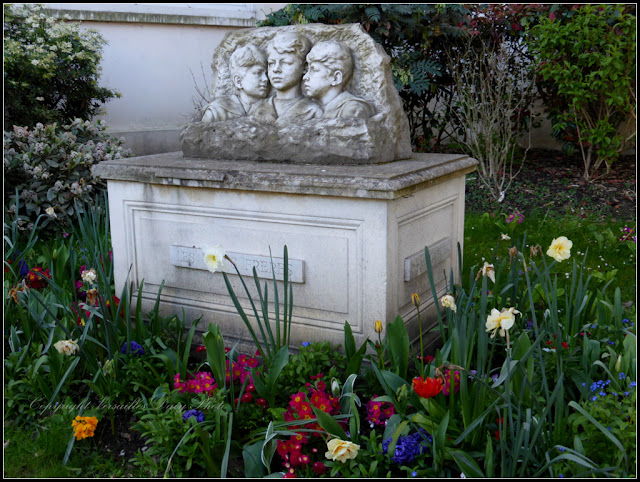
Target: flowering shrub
pixel 50 168
pixel 51 68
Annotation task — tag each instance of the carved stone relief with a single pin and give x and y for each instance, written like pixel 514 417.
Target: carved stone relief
pixel 320 94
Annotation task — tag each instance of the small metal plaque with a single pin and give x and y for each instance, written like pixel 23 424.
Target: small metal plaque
pixel 416 264
pixel 193 258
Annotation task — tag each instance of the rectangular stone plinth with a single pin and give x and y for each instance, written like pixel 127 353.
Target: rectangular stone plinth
pixel 355 236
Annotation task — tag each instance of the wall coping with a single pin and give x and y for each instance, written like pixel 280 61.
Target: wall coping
pixel 237 15
pixel 374 181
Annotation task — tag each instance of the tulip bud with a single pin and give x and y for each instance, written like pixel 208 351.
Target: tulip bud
pixel 415 299
pixel 619 363
pixel 401 393
pixel 108 368
pixel 378 327
pixel 55 254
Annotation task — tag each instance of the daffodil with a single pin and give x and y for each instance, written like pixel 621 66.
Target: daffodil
pixel 448 301
pixel 214 258
pixel 488 271
pixel 341 450
pixel 501 320
pixel 560 249
pixel 68 347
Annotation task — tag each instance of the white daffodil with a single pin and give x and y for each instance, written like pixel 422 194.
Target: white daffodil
pixel 68 347
pixel 501 320
pixel 214 258
pixel 449 301
pixel 560 249
pixel 89 276
pixel 489 271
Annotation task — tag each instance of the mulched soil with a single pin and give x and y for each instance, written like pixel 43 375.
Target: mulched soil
pixel 122 445
pixel 552 181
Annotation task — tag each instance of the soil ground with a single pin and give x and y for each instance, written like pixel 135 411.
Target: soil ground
pixel 550 180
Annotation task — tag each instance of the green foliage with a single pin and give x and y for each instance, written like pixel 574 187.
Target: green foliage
pixel 588 61
pixel 315 358
pixel 50 168
pixel 271 343
pixel 415 36
pixel 614 409
pixel 161 423
pixel 51 69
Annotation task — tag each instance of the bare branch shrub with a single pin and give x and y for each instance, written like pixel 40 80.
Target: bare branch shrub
pixel 494 93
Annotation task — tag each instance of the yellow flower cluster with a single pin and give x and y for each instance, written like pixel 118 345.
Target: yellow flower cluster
pixel 84 427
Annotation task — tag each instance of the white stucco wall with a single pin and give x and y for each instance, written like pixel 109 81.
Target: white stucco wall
pixel 152 50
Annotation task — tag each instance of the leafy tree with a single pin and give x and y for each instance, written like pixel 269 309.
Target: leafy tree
pixel 586 58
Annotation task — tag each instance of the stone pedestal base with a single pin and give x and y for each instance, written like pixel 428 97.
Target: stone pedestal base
pixel 355 236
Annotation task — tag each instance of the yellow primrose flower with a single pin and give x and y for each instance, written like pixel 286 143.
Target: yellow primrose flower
pixel 449 301
pixel 68 347
pixel 560 249
pixel 214 258
pixel 502 320
pixel 341 450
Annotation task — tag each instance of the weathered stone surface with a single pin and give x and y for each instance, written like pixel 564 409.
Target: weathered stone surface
pixel 387 181
pixel 383 137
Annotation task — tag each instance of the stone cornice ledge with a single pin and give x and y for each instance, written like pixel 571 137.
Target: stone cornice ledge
pixel 375 181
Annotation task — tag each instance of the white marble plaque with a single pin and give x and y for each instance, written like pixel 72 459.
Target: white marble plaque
pixel 416 264
pixel 192 257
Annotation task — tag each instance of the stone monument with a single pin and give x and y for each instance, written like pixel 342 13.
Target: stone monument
pixel 304 144
pixel 363 124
